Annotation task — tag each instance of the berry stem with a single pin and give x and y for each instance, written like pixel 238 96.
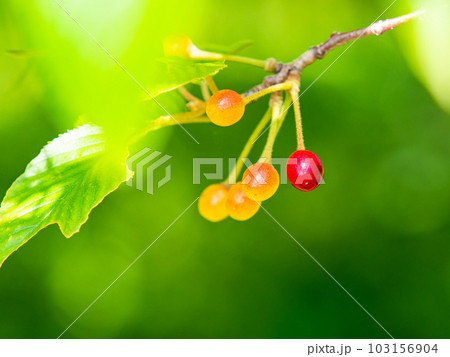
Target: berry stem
pixel 206 55
pixel 187 95
pixel 211 84
pixel 245 60
pixel 205 90
pixel 277 87
pixel 248 147
pixel 279 113
pixel 298 116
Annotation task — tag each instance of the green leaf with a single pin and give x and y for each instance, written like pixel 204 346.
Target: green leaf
pixel 172 72
pixel 71 175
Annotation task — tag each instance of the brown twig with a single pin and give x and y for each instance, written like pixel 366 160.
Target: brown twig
pixel 335 40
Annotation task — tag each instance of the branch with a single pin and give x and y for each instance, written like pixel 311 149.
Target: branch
pixel 335 40
pixel 339 39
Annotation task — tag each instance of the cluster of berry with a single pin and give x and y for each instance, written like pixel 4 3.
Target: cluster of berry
pixel 260 181
pixel 226 107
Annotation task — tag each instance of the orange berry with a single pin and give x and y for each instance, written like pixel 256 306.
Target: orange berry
pixel 260 181
pixel 211 204
pixel 178 45
pixel 239 206
pixel 225 107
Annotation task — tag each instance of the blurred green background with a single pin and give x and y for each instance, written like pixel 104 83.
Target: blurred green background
pixel 378 119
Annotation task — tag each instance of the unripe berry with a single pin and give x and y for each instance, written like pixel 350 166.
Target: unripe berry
pixel 260 181
pixel 211 204
pixel 304 170
pixel 225 107
pixel 239 206
pixel 178 45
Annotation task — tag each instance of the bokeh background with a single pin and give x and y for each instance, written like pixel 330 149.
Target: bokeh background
pixel 378 118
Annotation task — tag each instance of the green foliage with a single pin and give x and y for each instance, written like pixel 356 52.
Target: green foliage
pixel 74 172
pixel 69 177
pixel 173 72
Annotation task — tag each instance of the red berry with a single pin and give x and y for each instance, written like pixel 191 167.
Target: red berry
pixel 225 107
pixel 304 170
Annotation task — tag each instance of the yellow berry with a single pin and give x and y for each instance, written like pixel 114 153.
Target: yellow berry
pixel 238 205
pixel 260 181
pixel 178 45
pixel 211 204
pixel 225 107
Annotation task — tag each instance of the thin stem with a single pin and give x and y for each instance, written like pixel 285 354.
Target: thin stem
pixel 277 87
pixel 205 91
pixel 276 111
pixel 278 116
pixel 188 95
pixel 298 116
pixel 211 84
pixel 245 60
pixel 206 55
pixel 248 147
pixel 298 124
